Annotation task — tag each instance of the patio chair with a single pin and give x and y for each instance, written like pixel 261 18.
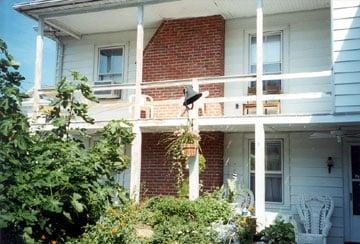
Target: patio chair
pixel 244 198
pixel 146 104
pixel 314 225
pixel 268 105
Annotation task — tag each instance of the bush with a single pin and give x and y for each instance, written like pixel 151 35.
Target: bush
pixel 184 221
pixel 51 186
pixel 246 229
pixel 279 233
pixel 115 226
pixel 172 220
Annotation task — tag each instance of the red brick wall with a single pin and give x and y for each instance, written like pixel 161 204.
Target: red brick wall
pixel 184 49
pixel 156 176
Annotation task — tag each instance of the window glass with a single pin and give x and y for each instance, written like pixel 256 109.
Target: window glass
pixel 273 170
pixel 272 58
pixel 111 64
pixel 271 48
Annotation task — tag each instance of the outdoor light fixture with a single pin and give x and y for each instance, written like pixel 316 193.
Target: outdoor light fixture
pixel 330 163
pixel 190 97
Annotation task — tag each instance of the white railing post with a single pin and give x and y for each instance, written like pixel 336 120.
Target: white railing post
pixel 260 175
pixel 259 57
pixel 135 170
pixel 193 162
pixel 38 66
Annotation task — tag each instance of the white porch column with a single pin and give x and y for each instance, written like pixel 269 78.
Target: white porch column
pixel 194 181
pixel 259 57
pixel 38 66
pixel 136 145
pixel 260 174
pixel 259 126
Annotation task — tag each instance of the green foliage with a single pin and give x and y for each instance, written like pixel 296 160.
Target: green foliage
pixel 51 186
pixel 177 220
pixel 246 229
pixel 67 104
pixel 170 219
pixel 174 152
pixel 14 139
pixel 117 225
pixel 279 233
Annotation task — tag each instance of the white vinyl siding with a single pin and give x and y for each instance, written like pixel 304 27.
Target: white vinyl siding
pixel 346 55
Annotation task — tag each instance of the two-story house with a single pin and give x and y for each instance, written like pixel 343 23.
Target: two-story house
pixel 283 79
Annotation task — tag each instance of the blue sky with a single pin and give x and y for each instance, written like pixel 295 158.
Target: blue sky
pixel 17 31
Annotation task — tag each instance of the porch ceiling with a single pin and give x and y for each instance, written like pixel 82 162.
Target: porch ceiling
pixel 86 17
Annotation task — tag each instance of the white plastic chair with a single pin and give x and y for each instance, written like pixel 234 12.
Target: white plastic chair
pixel 146 104
pixel 244 198
pixel 314 212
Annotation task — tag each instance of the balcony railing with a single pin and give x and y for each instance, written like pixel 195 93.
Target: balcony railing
pixel 301 94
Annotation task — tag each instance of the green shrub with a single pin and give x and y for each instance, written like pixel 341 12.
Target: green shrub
pixel 246 229
pixel 279 233
pixel 51 186
pixel 183 221
pixel 172 220
pixel 115 226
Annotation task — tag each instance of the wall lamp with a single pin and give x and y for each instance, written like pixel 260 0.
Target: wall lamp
pixel 330 163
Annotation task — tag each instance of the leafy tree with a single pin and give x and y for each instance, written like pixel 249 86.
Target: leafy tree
pixel 51 186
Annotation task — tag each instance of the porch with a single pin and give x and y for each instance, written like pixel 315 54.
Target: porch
pixel 240 95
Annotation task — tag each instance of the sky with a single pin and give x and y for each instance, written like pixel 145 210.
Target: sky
pixel 18 32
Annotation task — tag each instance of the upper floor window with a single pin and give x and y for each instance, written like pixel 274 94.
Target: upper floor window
pixel 273 170
pixel 272 58
pixel 111 64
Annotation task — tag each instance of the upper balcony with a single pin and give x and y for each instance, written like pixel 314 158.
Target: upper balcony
pixel 210 44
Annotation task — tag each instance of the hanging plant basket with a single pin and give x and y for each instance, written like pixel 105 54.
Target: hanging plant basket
pixel 189 150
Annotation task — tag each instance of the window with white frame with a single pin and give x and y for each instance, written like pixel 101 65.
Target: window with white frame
pixel 272 58
pixel 111 64
pixel 273 169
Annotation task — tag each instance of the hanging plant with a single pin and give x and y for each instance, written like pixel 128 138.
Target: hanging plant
pixel 182 144
pixel 184 141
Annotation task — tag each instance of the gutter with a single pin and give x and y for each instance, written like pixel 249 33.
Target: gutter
pixel 45 4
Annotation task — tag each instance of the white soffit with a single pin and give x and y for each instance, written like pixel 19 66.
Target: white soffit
pixel 125 18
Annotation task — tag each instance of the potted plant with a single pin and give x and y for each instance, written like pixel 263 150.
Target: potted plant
pixel 188 140
pixel 182 144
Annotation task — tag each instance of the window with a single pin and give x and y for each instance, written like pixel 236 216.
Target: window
pixel 273 170
pixel 272 58
pixel 110 70
pixel 111 64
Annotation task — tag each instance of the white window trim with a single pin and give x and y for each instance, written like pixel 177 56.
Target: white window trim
pixel 285 204
pixel 97 49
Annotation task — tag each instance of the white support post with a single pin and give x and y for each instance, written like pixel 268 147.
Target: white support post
pixel 260 175
pixel 38 66
pixel 259 57
pixel 136 145
pixel 193 162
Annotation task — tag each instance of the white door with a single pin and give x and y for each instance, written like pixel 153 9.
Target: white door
pixel 354 193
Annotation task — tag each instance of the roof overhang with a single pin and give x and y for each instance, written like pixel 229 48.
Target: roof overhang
pixel 81 17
